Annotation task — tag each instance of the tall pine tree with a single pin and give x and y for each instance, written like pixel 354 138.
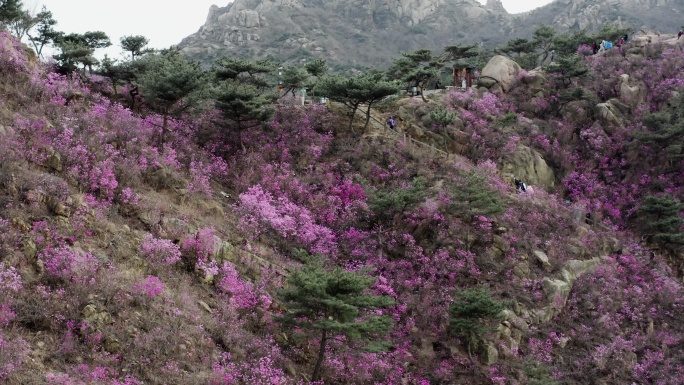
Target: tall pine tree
pixel 333 302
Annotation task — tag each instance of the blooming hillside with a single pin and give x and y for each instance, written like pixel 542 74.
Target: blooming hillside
pixel 139 249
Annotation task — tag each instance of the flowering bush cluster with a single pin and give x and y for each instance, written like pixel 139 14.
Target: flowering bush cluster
pixel 160 252
pixel 261 211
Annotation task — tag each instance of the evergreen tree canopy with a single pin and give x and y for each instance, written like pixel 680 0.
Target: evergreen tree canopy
pixel 664 131
pixel 471 312
pixel 79 48
pixel 662 217
pixel 389 202
pixel 611 32
pixel 567 44
pixel 521 50
pixel 294 78
pixel 244 104
pixel 245 71
pixel 10 10
pixel 543 40
pixel 416 69
pixel 366 88
pixel 317 67
pixel 135 45
pixel 567 68
pixel 442 118
pixel 171 84
pixel 455 53
pixel 333 302
pixel 473 197
pixel 22 24
pixel 44 32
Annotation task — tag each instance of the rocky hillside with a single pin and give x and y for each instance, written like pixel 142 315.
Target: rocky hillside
pixel 372 33
pixel 126 259
pixel 359 33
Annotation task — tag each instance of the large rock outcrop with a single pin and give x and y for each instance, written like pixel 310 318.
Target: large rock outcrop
pixel 529 166
pixel 502 70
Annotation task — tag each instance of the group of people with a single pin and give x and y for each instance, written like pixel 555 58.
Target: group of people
pixel 605 45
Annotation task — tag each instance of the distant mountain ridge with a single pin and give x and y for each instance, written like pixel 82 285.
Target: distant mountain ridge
pixel 362 33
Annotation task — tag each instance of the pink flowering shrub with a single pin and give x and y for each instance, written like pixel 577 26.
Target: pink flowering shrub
pixel 12 55
pixel 151 287
pixel 69 264
pixel 10 280
pixel 643 296
pixel 13 352
pixel 86 375
pixel 479 114
pixel 261 211
pixel 255 372
pixel 10 284
pixel 243 295
pixel 159 252
pixel 197 249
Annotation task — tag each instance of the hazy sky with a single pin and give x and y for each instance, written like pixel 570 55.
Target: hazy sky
pixel 164 22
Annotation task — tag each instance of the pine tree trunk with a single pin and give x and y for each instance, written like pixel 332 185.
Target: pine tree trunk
pixel 316 376
pixel 351 120
pixel 242 144
pixel 365 126
pixel 163 132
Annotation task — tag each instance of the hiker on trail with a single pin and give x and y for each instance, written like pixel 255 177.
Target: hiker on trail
pixel 602 46
pixel 519 185
pixel 621 42
pixel 390 122
pixel 553 55
pixel 594 47
pixel 625 38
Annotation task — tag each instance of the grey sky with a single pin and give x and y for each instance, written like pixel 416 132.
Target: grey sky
pixel 164 22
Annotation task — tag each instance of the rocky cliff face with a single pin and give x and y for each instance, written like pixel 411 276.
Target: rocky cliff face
pixel 359 33
pixel 664 15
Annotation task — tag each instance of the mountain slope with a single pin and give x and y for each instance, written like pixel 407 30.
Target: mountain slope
pixel 123 261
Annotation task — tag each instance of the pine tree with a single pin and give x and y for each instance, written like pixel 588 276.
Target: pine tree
pixel 368 88
pixel 294 78
pixel 135 45
pixel 171 84
pixel 79 49
pixel 472 197
pixel 442 118
pixel 10 10
pixel 664 130
pixel 244 104
pixel 471 312
pixel 388 202
pixel 416 68
pixel 567 68
pixel 544 37
pixel 45 32
pixel 662 218
pixel 521 50
pixel 333 302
